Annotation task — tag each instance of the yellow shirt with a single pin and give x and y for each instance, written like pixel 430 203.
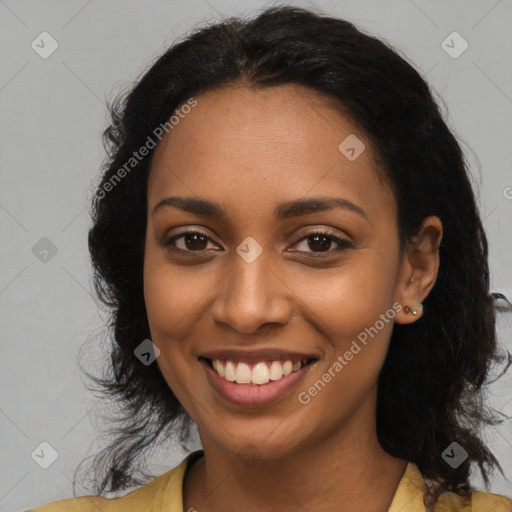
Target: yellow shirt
pixel 165 494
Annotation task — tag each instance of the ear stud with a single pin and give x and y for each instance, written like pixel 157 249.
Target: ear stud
pixel 407 309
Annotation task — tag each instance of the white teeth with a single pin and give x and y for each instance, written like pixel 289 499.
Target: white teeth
pixel 229 371
pixel 260 373
pixel 241 373
pixel 217 365
pixel 276 370
pixel 287 368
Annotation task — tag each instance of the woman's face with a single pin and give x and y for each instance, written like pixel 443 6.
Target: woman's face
pixel 256 280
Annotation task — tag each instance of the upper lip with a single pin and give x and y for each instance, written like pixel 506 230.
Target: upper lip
pixel 273 354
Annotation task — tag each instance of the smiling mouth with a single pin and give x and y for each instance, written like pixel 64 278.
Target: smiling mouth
pixel 257 373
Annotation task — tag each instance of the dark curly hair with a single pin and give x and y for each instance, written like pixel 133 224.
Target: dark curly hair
pixel 432 384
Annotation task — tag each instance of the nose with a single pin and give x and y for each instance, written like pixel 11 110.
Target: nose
pixel 251 295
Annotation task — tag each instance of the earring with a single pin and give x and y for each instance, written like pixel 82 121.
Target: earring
pixel 412 279
pixel 407 309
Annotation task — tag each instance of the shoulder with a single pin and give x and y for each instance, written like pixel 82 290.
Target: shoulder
pixel 411 489
pixel 480 502
pixel 162 493
pixel 487 502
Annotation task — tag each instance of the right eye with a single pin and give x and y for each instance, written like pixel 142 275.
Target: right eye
pixel 189 242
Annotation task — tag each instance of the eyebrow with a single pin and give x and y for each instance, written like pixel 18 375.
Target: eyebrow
pixel 283 211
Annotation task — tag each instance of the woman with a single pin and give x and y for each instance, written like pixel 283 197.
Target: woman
pixel 290 246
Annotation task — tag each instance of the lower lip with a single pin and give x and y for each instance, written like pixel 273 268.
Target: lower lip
pixel 254 395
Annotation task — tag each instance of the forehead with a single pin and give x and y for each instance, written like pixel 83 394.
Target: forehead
pixel 275 144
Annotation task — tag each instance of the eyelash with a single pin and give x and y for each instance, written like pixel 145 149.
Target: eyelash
pixel 343 243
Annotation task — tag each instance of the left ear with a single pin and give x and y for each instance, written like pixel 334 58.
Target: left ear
pixel 418 272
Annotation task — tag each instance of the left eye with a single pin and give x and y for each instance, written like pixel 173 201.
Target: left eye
pixel 320 242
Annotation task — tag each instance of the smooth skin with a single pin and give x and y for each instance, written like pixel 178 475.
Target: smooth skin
pixel 249 151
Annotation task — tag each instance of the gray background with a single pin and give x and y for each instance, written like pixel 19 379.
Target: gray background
pixel 53 113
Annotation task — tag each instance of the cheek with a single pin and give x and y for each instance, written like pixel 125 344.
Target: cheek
pixel 173 297
pixel 167 316
pixel 357 331
pixel 352 307
pixel 170 299
pixel 344 301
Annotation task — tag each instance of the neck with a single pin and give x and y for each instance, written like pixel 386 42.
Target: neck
pixel 346 471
